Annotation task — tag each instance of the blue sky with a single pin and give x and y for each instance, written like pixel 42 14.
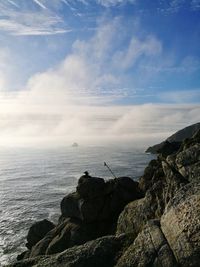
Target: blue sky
pixel 103 53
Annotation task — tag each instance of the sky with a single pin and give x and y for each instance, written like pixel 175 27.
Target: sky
pixel 88 70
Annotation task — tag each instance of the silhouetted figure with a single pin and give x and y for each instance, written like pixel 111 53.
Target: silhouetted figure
pixel 84 177
pixel 86 174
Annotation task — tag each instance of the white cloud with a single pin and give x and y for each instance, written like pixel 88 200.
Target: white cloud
pixel 21 21
pixel 67 103
pixel 53 125
pixel 150 46
pixel 181 96
pixel 4 68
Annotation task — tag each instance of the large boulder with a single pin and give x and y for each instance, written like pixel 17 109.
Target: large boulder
pixel 70 206
pixel 87 214
pixel 69 233
pixel 37 231
pixel 150 248
pixel 134 217
pixel 180 224
pixel 97 200
pixel 164 185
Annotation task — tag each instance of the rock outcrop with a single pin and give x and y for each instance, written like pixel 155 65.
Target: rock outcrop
pixel 102 252
pixel 172 196
pixel 180 224
pixel 89 213
pixel 155 222
pixel 172 143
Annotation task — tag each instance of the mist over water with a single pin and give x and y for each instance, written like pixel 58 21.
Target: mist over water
pixel 34 181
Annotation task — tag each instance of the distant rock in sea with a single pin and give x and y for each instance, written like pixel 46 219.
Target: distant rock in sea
pixel 75 144
pixel 172 143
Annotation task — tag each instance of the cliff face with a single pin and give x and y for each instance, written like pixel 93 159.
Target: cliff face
pixel 172 143
pixel 160 225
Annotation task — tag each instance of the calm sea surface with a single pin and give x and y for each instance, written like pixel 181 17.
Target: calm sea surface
pixel 34 181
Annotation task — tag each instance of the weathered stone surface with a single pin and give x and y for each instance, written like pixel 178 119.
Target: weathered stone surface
pixel 187 161
pixel 150 248
pixel 188 156
pixel 180 224
pixel 37 231
pixel 191 172
pixel 102 252
pixel 134 217
pixel 136 214
pixel 152 173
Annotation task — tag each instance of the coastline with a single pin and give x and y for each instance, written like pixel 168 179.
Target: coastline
pixel 141 232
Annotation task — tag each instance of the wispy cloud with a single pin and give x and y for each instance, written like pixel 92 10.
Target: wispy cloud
pixel 185 96
pixel 195 4
pixel 150 46
pixel 13 3
pixel 109 3
pixel 27 21
pixel 174 6
pixel 40 4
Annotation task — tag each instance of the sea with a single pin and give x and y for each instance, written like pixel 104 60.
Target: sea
pixel 33 182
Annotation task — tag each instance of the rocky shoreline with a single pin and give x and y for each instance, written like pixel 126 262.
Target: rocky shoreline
pixel 123 223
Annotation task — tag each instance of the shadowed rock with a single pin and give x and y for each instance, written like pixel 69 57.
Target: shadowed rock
pixel 102 252
pixel 37 231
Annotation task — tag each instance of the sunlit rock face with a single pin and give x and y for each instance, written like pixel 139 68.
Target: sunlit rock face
pixel 180 225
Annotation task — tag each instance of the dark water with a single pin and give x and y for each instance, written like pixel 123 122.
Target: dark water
pixel 34 181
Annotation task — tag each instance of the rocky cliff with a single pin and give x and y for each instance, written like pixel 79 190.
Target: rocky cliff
pixel 122 223
pixel 173 142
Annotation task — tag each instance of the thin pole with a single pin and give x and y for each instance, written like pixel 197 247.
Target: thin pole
pixel 106 165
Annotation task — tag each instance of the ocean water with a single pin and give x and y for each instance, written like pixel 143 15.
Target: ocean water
pixel 34 181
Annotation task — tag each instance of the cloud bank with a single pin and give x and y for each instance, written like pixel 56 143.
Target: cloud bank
pixel 77 99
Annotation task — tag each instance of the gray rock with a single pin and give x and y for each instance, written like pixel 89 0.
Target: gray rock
pixel 134 216
pixel 70 206
pixel 180 224
pixel 150 248
pixel 188 156
pixel 90 187
pixel 37 231
pixel 102 252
